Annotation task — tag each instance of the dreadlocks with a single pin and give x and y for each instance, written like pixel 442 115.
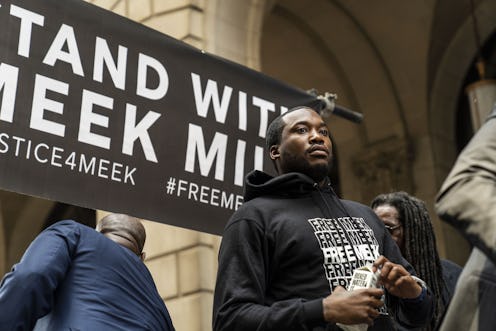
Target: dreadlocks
pixel 419 244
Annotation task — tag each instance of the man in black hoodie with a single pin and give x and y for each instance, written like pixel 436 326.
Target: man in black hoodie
pixel 289 251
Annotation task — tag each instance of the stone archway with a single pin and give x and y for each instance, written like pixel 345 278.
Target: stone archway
pixel 359 74
pixel 447 77
pixel 447 83
pixel 233 29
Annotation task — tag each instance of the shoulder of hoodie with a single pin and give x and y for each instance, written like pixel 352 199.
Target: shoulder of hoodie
pixel 248 212
pixel 252 211
pixel 360 208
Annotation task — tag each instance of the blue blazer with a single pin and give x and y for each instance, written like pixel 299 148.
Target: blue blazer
pixel 78 279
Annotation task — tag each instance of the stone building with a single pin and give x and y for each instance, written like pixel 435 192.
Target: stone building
pixel 403 64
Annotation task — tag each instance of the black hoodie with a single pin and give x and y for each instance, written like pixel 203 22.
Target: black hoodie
pixel 288 246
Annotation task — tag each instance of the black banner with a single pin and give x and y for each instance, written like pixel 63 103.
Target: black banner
pixel 102 112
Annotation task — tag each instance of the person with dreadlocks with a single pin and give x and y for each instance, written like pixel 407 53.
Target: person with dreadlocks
pixel 407 219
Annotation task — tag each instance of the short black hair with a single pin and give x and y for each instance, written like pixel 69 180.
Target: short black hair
pixel 274 131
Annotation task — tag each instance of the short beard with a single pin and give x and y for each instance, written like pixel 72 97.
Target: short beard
pixel 317 172
pixel 294 164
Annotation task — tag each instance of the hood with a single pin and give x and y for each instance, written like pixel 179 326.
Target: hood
pixel 259 183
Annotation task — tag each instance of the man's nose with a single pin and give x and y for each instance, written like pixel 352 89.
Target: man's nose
pixel 316 137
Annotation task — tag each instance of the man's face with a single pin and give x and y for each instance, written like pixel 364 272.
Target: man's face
pixel 305 145
pixel 391 218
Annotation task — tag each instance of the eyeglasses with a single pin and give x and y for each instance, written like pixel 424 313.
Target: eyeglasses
pixel 392 228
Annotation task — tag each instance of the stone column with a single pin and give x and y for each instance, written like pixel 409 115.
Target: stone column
pixel 182 262
pixel 184 266
pixel 383 167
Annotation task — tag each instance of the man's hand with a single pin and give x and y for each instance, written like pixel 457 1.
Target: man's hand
pixel 396 279
pixel 353 307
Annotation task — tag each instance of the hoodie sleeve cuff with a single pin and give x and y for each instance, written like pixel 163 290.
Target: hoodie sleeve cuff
pixel 314 311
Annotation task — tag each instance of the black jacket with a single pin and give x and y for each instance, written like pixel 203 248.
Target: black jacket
pixel 287 247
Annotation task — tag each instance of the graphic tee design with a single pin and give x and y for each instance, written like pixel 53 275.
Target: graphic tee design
pixel 347 243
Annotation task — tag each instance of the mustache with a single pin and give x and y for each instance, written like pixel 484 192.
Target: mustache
pixel 318 148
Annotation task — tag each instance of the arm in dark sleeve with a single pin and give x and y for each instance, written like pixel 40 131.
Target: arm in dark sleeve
pixel 26 293
pixel 240 300
pixel 467 199
pixel 410 313
pixel 416 313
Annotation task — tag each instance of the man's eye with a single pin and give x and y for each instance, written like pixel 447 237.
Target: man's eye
pixel 324 132
pixel 302 130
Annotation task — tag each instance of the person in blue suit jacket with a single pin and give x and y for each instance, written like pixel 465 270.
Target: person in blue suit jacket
pixel 76 278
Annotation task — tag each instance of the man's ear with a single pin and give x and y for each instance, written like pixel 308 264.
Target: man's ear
pixel 274 152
